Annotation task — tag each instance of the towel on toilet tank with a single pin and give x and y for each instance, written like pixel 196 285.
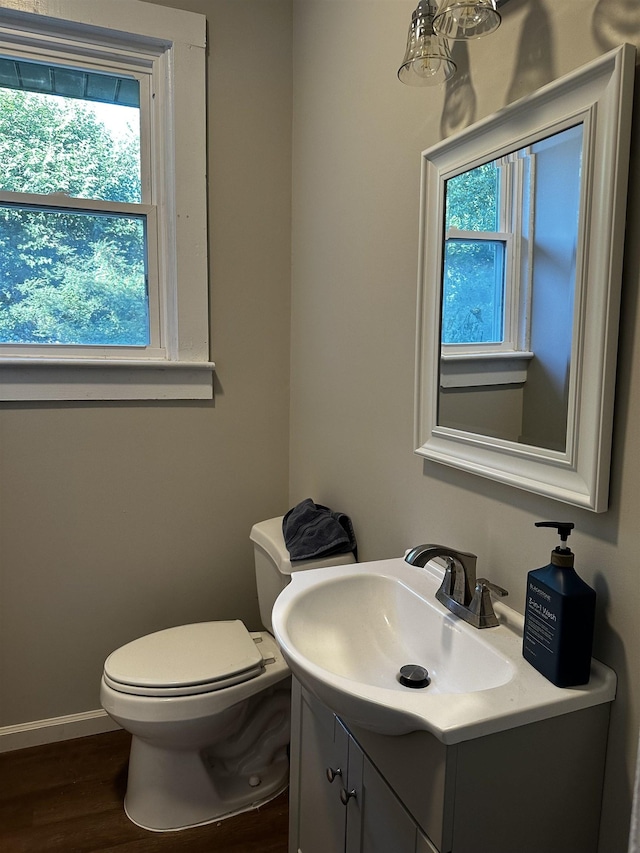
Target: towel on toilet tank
pixel 312 531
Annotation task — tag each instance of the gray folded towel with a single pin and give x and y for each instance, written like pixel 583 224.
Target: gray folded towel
pixel 312 531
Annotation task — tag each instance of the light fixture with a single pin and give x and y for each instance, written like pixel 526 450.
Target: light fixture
pixel 427 60
pixel 466 19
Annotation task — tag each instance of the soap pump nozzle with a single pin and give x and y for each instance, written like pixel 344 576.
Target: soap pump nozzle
pixel 561 555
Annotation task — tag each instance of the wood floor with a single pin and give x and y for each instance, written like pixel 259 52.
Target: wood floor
pixel 67 798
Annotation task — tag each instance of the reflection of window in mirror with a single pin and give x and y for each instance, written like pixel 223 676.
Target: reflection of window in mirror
pixel 475 257
pixel 486 287
pixel 510 242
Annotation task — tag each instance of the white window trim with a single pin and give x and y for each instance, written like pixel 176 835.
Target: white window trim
pixel 468 370
pixel 173 42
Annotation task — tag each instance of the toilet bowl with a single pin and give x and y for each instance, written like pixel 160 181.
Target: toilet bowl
pixel 207 706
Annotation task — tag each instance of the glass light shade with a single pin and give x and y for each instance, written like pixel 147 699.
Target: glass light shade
pixel 427 60
pixel 466 19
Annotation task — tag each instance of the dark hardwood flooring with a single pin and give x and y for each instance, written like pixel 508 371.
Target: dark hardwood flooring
pixel 67 798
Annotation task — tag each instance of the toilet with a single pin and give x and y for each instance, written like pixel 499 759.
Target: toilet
pixel 208 706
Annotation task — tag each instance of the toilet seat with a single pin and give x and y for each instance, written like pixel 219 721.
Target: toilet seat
pixel 186 660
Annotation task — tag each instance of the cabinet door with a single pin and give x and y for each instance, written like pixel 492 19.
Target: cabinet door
pixel 318 818
pixel 356 812
pixel 376 820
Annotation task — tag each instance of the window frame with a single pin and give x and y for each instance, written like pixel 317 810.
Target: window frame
pixel 165 49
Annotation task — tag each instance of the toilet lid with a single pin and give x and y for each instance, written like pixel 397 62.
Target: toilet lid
pixel 185 660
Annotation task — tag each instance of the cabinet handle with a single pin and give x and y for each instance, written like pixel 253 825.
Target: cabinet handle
pixel 331 773
pixel 345 795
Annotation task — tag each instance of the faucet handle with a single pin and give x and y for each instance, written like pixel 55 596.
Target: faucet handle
pixel 500 591
pixel 481 605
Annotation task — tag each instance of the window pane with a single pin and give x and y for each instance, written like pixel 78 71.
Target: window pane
pixel 57 144
pixel 72 278
pixel 473 199
pixel 473 292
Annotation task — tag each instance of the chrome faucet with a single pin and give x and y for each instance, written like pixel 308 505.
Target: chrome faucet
pixel 460 573
pixel 460 592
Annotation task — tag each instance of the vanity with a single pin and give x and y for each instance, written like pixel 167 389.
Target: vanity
pixel 487 756
pixel 534 789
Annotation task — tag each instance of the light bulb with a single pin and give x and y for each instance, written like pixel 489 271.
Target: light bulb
pixel 469 19
pixel 428 66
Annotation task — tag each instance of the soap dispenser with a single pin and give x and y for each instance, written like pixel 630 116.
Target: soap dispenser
pixel 559 616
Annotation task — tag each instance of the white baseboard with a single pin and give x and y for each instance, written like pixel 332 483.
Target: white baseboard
pixel 55 729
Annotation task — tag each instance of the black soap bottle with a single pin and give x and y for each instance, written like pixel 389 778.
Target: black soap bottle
pixel 559 617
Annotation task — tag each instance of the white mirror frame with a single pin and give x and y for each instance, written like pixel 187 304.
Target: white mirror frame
pixel 601 96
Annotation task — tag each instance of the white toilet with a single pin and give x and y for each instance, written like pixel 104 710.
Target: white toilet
pixel 207 706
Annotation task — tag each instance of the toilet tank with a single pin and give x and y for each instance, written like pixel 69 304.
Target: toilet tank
pixel 274 568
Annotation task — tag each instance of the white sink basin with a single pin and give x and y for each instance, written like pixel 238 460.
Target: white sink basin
pixel 347 631
pixel 364 627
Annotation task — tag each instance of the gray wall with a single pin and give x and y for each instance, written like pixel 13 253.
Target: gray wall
pixel 494 410
pixel 358 134
pixel 120 519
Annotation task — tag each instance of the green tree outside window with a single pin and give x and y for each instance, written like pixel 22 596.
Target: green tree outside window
pixel 69 277
pixel 473 276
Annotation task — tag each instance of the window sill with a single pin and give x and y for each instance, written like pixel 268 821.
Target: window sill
pixel 38 379
pixel 468 370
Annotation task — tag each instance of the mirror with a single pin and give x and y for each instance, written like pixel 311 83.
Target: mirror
pixel 521 233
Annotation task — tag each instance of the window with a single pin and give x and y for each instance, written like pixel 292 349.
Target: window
pixel 485 288
pixel 474 260
pixel 71 275
pixel 103 274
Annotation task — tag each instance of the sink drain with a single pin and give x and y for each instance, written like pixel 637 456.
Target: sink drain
pixel 413 675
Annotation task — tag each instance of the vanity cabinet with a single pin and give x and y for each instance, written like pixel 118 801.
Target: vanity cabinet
pixel 340 803
pixel 534 788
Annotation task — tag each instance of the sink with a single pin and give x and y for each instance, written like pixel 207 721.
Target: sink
pixel 365 626
pixel 346 631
